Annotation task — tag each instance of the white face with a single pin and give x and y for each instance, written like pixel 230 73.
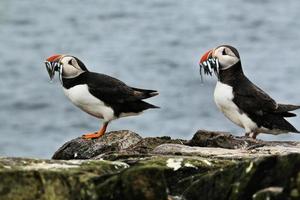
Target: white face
pixel 70 67
pixel 225 57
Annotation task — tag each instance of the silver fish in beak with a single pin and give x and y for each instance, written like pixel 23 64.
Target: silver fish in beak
pixel 209 65
pixel 52 65
pixel 51 68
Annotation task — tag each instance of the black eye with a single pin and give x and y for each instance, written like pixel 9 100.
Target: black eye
pixel 224 52
pixel 70 62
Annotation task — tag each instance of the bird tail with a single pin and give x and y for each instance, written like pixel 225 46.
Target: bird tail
pixel 137 106
pixel 287 107
pixel 289 127
pixel 284 110
pixel 296 131
pixel 144 94
pixel 149 105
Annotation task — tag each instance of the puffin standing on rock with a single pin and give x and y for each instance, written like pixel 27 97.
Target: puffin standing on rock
pixel 240 100
pixel 99 95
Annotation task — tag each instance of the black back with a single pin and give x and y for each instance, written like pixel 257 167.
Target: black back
pixel 113 92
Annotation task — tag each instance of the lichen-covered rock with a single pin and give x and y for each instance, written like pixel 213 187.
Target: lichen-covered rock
pixel 179 149
pixel 204 138
pixel 146 145
pixel 149 178
pixel 28 179
pixel 121 142
pixel 80 148
pixel 157 168
pixel 156 177
pixel 249 180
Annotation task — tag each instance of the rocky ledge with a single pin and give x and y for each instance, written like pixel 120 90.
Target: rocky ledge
pixel 123 165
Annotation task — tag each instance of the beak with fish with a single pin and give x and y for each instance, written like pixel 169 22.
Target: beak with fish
pixel 53 65
pixel 209 65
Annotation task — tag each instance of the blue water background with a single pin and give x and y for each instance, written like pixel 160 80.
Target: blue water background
pixel 153 44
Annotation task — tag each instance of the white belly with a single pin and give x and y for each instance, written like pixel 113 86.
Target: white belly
pixel 223 97
pixel 80 96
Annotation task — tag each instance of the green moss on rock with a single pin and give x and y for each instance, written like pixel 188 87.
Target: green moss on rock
pixel 151 177
pixel 245 179
pixel 44 179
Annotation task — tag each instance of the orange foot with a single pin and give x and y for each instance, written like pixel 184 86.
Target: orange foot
pixel 98 134
pixel 92 135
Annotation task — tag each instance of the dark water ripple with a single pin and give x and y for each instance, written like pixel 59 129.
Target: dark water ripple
pixel 152 44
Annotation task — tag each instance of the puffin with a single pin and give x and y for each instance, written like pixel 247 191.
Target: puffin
pixel 241 101
pixel 99 95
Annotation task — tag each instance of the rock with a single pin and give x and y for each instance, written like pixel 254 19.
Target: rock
pixel 79 148
pixel 121 142
pixel 28 179
pixel 84 179
pixel 272 193
pixel 203 138
pixel 158 168
pixel 146 145
pixel 155 177
pixel 248 180
pixel 185 150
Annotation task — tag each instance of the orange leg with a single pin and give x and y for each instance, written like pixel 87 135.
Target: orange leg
pixel 98 134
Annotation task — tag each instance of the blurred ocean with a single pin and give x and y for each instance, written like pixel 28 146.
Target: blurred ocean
pixel 153 44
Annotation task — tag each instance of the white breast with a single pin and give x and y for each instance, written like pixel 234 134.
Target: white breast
pixel 82 98
pixel 223 97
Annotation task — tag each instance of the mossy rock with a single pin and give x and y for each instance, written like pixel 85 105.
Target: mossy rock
pixel 157 168
pixel 27 179
pixel 153 177
pixel 246 180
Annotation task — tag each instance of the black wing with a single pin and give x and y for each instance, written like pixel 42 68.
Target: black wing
pixel 251 99
pixel 261 108
pixel 112 91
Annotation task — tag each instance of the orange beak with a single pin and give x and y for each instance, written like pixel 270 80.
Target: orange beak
pixel 54 58
pixel 206 56
pixel 209 64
